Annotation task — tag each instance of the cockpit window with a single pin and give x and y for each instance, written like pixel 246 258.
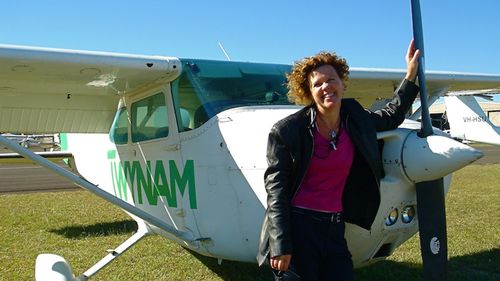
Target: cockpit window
pixel 119 129
pixel 149 118
pixel 206 88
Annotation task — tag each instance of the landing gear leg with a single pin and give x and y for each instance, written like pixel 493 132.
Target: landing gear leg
pixel 53 267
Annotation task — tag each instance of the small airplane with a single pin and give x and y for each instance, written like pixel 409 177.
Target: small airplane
pixel 21 139
pixel 467 120
pixel 43 141
pixel 179 144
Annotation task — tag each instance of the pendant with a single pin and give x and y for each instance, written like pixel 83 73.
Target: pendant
pixel 333 142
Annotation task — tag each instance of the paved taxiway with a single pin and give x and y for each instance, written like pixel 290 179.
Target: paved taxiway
pixel 31 177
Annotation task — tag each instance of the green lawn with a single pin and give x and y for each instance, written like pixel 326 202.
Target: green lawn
pixel 80 227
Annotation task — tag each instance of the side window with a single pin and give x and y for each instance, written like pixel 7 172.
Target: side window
pixel 119 129
pixel 149 118
pixel 185 103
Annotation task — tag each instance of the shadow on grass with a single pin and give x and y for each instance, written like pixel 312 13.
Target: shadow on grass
pixel 235 271
pixel 478 266
pixel 99 229
pixel 483 266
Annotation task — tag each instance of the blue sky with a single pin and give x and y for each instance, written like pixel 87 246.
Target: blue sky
pixel 459 35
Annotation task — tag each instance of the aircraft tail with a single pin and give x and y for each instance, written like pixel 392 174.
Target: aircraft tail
pixel 469 122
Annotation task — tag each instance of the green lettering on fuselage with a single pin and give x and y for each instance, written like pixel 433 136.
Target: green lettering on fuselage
pixel 136 179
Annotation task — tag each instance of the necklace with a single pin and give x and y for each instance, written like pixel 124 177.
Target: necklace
pixel 331 132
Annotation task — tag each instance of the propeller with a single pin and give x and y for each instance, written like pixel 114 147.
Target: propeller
pixel 430 194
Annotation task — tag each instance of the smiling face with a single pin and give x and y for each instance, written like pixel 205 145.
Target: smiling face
pixel 327 89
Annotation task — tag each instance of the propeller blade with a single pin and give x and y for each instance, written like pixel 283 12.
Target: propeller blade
pixel 432 228
pixel 418 38
pixel 430 194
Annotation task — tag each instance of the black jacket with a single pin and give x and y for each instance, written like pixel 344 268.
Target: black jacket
pixel 289 151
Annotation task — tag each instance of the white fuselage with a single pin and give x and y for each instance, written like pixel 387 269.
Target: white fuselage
pixel 209 181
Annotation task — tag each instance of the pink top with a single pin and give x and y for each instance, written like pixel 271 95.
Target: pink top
pixel 326 176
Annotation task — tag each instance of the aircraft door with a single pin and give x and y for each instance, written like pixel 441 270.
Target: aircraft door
pixel 160 182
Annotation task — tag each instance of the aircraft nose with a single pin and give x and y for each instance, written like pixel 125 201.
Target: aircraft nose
pixel 435 156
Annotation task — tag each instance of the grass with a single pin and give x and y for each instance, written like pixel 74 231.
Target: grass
pixel 80 227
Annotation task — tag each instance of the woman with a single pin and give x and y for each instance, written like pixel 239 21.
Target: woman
pixel 324 169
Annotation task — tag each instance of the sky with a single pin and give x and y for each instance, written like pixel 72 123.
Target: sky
pixel 459 35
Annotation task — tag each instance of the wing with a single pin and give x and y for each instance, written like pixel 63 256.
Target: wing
pixel 372 85
pixel 52 90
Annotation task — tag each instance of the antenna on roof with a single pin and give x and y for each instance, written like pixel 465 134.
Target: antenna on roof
pixel 224 51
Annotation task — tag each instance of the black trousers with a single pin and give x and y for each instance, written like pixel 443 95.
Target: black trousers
pixel 319 248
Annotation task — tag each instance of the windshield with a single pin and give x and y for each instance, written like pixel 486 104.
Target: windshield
pixel 206 88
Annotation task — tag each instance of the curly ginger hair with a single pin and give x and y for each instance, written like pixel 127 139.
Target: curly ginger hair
pixel 298 79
